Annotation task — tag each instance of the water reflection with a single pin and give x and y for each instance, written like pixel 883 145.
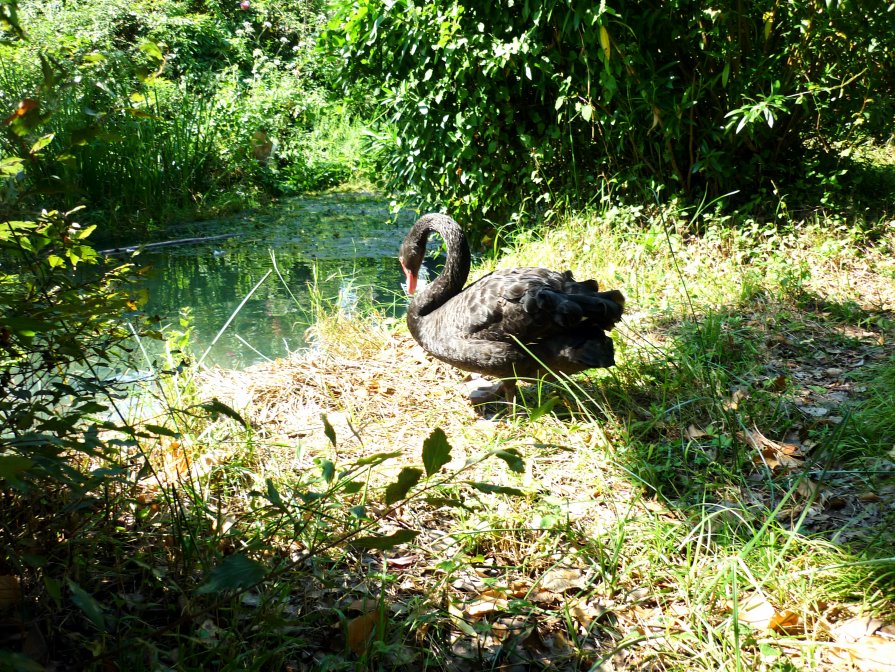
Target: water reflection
pixel 341 249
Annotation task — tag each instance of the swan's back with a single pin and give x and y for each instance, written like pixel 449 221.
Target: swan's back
pixel 504 322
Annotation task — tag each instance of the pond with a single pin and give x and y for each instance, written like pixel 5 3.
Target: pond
pixel 333 249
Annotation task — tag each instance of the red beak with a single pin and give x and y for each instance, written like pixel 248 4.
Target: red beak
pixel 411 279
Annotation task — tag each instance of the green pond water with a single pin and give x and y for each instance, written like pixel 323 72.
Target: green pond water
pixel 341 247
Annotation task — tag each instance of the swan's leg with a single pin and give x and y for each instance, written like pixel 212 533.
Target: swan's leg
pixel 509 393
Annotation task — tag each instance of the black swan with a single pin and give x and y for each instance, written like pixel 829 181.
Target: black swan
pixel 512 323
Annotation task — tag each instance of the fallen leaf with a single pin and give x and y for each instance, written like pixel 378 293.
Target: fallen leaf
pixel 561 579
pixel 807 488
pixel 787 623
pixel 756 611
pixel 866 643
pixel 359 631
pixel 485 605
pixel 814 411
pixel 733 403
pixel 693 432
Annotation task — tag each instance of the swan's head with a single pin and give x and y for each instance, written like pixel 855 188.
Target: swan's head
pixel 411 258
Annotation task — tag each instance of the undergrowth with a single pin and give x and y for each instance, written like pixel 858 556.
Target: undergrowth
pixel 720 499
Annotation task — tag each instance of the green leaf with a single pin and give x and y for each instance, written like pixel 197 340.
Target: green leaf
pixel 543 409
pixel 87 603
pixel 235 572
pixel 446 501
pixel 328 429
pixel 11 166
pixel 217 407
pixel 42 142
pixel 158 430
pixel 26 326
pixel 587 111
pixel 12 466
pixel 496 489
pixel 513 459
pixel 436 451
pixel 397 491
pixel 327 469
pixel 352 487
pixel 387 542
pixel 273 495
pixel 151 49
pixel 378 458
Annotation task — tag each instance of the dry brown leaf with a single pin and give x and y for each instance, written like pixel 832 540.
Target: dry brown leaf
pixel 561 579
pixel 360 629
pixel 401 562
pixel 733 403
pixel 756 611
pixel 585 613
pixel 693 432
pixel 866 643
pixel 787 623
pixel 10 591
pixel 771 453
pixel 485 605
pixel 807 488
pixel 856 628
pixel 363 604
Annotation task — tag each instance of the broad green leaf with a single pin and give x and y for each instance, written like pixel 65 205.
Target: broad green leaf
pixel 151 49
pixel 235 572
pixel 273 495
pixel 327 469
pixel 352 487
pixel 398 490
pixel 87 603
pixel 387 542
pixel 12 466
pixel 10 166
pixel 42 142
pixel 446 501
pixel 587 111
pixel 605 43
pixel 161 431
pixel 544 408
pixel 436 451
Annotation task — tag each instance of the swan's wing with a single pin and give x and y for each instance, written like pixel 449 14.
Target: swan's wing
pixel 533 304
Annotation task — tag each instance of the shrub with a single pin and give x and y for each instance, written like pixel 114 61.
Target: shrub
pixel 499 107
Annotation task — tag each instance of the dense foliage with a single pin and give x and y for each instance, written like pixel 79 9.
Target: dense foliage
pixel 507 105
pixel 150 111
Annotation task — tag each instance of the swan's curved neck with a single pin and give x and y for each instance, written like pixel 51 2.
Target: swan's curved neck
pixel 456 268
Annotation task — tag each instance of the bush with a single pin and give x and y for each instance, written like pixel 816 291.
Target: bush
pixel 152 113
pixel 499 107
